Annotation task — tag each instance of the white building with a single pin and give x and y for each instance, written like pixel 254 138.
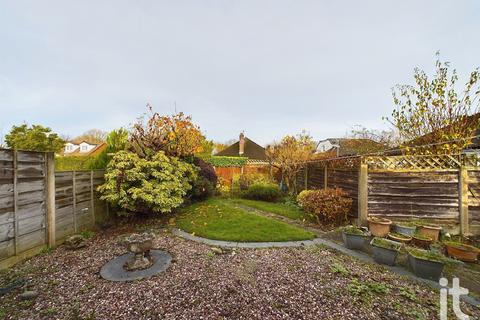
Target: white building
pixel 82 148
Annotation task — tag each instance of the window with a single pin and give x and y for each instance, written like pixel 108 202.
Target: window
pixel 84 148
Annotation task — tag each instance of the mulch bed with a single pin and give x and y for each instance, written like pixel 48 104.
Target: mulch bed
pixel 300 283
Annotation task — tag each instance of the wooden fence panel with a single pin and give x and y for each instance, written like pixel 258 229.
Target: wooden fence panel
pixel 75 207
pixel 474 200
pixel 7 210
pixel 64 224
pixel 414 194
pixel 316 176
pixel 346 179
pixel 23 203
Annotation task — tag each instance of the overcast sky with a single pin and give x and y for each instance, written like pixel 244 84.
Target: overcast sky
pixel 266 67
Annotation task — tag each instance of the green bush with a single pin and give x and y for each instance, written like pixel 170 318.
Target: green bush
pixel 325 206
pixel 205 184
pixel 263 191
pixel 155 184
pixel 241 182
pixel 71 163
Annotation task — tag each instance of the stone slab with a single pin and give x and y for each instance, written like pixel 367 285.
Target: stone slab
pixel 114 271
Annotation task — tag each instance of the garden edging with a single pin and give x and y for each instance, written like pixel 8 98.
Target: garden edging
pixel 244 245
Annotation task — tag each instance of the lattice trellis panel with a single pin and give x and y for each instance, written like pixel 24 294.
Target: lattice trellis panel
pixel 421 162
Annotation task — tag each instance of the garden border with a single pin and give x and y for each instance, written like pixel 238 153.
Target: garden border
pixel 317 241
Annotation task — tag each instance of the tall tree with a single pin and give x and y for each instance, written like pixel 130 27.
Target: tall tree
pixel 289 155
pixel 117 140
pixel 176 135
pixel 436 110
pixel 34 138
pixel 96 136
pixel 384 138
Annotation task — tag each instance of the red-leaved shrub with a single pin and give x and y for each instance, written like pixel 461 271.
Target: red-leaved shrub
pixel 325 206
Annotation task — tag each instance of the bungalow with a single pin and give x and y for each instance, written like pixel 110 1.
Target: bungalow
pixel 340 147
pixel 82 148
pixel 244 147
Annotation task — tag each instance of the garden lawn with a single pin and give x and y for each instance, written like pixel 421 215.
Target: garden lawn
pixel 219 219
pixel 284 209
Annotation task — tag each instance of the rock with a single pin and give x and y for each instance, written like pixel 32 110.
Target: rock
pixel 217 250
pixel 28 295
pixel 75 242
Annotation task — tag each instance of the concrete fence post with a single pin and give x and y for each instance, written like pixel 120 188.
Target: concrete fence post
pixel 463 200
pixel 363 195
pixel 50 198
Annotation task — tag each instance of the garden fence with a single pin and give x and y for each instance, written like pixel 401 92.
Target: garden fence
pixel 39 206
pixel 441 189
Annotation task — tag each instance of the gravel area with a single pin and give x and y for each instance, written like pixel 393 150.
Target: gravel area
pixel 201 283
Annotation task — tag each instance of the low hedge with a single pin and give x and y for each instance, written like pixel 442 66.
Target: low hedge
pixel 326 206
pixel 220 161
pixel 263 191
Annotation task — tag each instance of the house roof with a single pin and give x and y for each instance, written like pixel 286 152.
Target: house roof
pixel 252 150
pixel 94 152
pixel 472 121
pixel 353 146
pixel 82 141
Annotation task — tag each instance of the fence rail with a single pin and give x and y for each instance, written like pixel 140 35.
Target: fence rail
pixel 444 189
pixel 39 206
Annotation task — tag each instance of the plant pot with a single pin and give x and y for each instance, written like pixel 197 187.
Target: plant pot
pixel 384 255
pixel 462 252
pixel 422 243
pixel 424 268
pixel 399 238
pixel 406 230
pixel 379 227
pixel 354 241
pixel 430 231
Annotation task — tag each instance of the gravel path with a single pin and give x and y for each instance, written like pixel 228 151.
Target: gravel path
pixel 290 283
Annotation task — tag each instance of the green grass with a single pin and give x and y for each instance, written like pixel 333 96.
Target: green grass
pixel 219 219
pixel 284 209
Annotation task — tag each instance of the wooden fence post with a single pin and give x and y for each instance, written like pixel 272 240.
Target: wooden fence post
pixel 92 197
pixel 463 200
pixel 363 195
pixel 306 177
pixel 15 201
pixel 325 176
pixel 74 198
pixel 50 198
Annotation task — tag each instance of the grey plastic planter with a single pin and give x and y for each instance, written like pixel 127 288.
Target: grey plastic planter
pixel 409 231
pixel 384 255
pixel 426 269
pixel 354 241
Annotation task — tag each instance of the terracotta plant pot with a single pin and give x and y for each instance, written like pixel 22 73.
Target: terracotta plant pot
pixel 462 252
pixel 430 231
pixel 399 237
pixel 379 227
pixel 422 242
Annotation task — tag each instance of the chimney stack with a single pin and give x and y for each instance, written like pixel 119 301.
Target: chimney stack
pixel 241 144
